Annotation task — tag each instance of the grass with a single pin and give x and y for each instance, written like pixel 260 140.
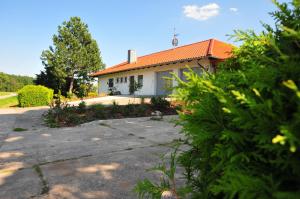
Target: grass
pixel 5 93
pixel 18 129
pixel 45 185
pixel 9 102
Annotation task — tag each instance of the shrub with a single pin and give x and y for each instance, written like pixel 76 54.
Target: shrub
pixel 92 94
pixel 98 110
pixel 70 95
pixel 243 123
pixel 81 107
pixel 62 114
pixel 159 103
pixel 32 95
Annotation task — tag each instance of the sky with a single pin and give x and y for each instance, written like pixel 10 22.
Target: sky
pixel 27 27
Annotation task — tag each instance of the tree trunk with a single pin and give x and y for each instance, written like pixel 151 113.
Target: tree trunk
pixel 71 85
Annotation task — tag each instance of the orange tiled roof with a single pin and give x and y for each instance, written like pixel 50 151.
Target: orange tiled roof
pixel 207 48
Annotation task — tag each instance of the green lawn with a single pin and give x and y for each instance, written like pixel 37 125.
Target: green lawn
pixel 8 102
pixel 5 93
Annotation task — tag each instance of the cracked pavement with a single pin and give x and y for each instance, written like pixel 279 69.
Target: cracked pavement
pixel 100 159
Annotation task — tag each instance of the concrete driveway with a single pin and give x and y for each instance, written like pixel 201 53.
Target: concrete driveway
pixel 101 159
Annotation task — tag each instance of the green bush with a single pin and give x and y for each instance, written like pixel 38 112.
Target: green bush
pixel 32 95
pixel 81 107
pixel 242 124
pixel 92 94
pixel 159 103
pixel 98 110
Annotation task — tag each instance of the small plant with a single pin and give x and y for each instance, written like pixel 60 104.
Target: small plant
pixel 142 100
pixel 60 113
pixel 115 108
pixel 81 107
pixel 134 87
pixel 167 186
pixel 18 129
pixel 113 91
pixel 98 110
pixel 160 103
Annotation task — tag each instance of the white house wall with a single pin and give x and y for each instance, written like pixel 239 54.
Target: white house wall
pixel 149 77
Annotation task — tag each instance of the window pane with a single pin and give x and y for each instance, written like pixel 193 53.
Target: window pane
pixel 140 79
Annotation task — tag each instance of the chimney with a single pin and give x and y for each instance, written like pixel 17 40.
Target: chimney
pixel 132 56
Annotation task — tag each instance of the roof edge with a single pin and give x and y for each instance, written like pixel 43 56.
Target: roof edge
pixel 151 65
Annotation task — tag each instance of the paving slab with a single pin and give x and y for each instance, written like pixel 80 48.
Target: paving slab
pixel 100 159
pixel 101 176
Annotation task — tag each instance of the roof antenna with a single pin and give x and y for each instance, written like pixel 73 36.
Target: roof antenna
pixel 175 40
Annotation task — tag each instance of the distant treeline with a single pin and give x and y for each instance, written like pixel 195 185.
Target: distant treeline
pixel 12 83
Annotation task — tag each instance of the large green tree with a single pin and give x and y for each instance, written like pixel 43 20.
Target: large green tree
pixel 73 56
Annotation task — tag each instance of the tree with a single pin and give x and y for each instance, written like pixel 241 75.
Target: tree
pixel 72 58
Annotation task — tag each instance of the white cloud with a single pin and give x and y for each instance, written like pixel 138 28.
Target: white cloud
pixel 201 13
pixel 233 9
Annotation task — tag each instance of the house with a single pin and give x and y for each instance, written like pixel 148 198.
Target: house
pixel 150 70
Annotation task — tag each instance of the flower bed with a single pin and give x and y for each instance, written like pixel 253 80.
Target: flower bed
pixel 62 115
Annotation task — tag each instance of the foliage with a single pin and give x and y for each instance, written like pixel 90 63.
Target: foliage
pixel 18 129
pixel 32 95
pixel 61 114
pixel 134 87
pixel 92 94
pixel 81 107
pixel 72 58
pixel 159 103
pixel 113 91
pixel 12 83
pixel 242 124
pixel 148 189
pixel 9 102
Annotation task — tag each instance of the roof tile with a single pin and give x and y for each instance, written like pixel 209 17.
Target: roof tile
pixel 207 48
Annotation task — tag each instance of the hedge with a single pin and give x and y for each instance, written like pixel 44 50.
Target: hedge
pixel 32 95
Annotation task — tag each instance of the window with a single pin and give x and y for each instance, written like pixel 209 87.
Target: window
pixel 110 83
pixel 125 79
pixel 117 80
pixel 140 80
pixel 196 70
pixel 121 80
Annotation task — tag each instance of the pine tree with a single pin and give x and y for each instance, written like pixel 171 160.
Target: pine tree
pixel 73 56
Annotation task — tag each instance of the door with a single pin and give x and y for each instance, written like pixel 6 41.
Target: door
pixel 164 86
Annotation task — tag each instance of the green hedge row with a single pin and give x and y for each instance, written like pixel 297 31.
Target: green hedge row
pixel 32 95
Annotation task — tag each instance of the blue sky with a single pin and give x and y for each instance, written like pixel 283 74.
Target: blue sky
pixel 147 26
